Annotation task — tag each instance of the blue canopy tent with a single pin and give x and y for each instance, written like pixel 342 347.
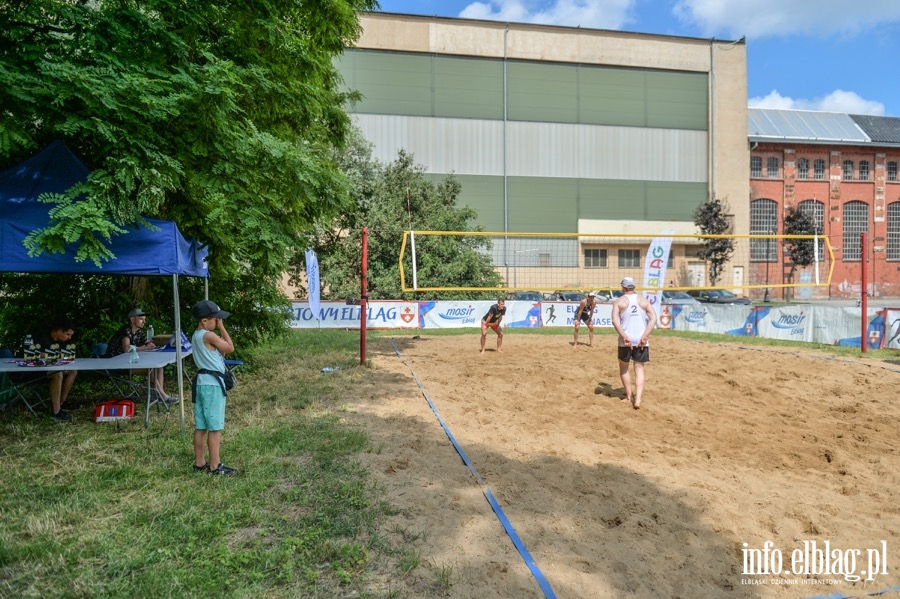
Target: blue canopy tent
pixel 138 252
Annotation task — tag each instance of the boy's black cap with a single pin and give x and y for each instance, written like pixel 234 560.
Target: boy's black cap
pixel 208 309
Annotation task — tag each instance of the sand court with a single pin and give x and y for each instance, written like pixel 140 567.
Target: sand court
pixel 731 446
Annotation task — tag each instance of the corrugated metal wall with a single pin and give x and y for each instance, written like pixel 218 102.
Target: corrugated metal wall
pixel 475 147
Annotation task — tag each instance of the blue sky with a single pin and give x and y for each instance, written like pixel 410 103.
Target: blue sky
pixel 831 55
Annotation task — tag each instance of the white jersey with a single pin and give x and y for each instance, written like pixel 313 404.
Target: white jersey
pixel 634 320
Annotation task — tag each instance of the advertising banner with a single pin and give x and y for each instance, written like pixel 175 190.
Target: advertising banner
pixel 562 314
pixel 453 315
pixel 845 329
pixel 449 315
pixel 655 267
pixel 791 323
pixel 338 315
pixel 710 318
pixel 312 280
pixel 892 328
pixel 837 326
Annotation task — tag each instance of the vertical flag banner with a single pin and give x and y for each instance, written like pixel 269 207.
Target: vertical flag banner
pixel 312 281
pixel 655 266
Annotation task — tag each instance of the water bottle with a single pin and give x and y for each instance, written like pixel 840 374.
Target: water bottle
pixel 28 347
pixel 134 359
pixel 150 334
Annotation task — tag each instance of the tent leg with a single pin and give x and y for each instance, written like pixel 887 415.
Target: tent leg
pixel 179 367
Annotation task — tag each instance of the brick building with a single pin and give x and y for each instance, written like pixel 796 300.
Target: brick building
pixel 842 170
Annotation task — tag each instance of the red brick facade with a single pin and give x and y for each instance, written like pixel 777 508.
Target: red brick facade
pixel 861 203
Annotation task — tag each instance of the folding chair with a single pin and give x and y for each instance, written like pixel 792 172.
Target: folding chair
pixel 12 391
pixel 124 383
pixel 8 395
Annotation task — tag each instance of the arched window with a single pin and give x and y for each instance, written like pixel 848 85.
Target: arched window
pixel 818 168
pixel 816 210
pixel 803 168
pixel 856 221
pixel 763 221
pixel 893 231
pixel 755 166
pixel 848 170
pixel 863 170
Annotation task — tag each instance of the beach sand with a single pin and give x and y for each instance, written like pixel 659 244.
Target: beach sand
pixel 733 445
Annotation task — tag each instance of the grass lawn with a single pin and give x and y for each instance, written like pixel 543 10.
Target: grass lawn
pixel 99 510
pixel 105 510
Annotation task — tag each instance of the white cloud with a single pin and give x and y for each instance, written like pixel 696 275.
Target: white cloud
pixel 761 18
pixel 591 14
pixel 837 101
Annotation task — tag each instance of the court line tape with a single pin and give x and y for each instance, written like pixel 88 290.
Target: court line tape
pixel 495 505
pixel 884 591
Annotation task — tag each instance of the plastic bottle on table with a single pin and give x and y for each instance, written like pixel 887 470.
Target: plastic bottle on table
pixel 28 347
pixel 134 359
pixel 150 334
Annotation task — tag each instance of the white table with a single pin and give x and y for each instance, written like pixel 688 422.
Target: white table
pixel 148 359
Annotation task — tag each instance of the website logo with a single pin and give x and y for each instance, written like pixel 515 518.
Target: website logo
pixel 459 315
pixel 696 317
pixel 827 564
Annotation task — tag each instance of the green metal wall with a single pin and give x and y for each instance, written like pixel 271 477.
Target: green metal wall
pixel 446 86
pixel 554 205
pixel 426 85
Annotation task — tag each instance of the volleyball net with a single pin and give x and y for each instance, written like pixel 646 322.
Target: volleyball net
pixel 551 262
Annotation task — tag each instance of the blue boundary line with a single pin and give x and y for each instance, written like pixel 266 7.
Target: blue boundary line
pixel 495 505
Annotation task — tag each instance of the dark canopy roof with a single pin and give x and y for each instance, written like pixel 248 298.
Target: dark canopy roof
pixel 55 169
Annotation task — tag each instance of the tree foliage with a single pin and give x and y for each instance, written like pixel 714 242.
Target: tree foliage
pixel 221 116
pixel 800 251
pixel 711 218
pixel 388 199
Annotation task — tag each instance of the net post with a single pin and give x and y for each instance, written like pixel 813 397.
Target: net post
pixel 363 298
pixel 816 254
pixel 412 247
pixel 864 300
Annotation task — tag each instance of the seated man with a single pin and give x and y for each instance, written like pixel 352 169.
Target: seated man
pixel 133 333
pixel 57 343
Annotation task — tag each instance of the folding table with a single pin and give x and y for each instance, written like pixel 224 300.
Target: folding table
pixel 149 360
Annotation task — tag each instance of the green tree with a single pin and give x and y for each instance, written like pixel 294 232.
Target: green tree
pixel 800 251
pixel 221 116
pixel 386 199
pixel 711 218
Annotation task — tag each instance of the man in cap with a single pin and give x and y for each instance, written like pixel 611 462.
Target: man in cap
pixel 209 350
pixel 585 313
pixel 634 319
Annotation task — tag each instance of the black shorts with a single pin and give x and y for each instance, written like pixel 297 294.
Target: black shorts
pixel 638 354
pixel 585 318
